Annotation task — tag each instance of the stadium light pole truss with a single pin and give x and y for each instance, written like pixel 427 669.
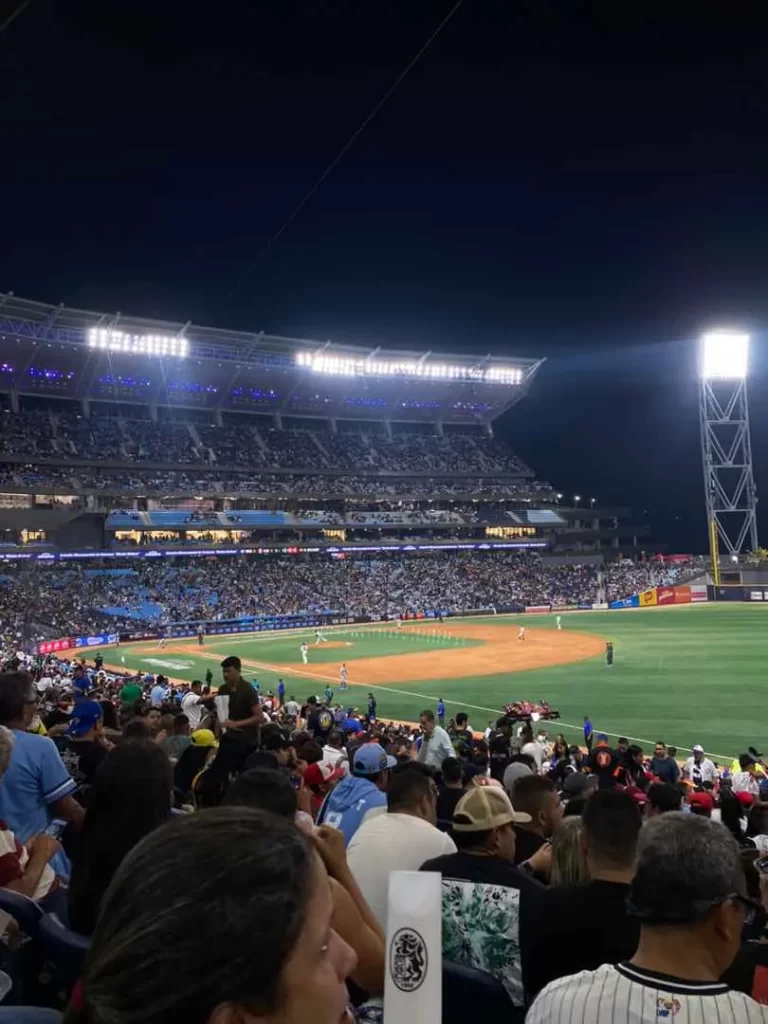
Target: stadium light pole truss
pixel 726 448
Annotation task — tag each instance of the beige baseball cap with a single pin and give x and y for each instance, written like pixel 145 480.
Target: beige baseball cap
pixel 483 808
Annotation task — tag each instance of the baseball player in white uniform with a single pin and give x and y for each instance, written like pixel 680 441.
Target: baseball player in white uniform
pixel 559 621
pixel 304 652
pixel 343 677
pixel 521 633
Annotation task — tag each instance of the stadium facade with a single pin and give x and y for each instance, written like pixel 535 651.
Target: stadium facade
pixel 129 435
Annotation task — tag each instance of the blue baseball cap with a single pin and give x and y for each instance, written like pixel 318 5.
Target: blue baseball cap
pixel 372 758
pixel 85 716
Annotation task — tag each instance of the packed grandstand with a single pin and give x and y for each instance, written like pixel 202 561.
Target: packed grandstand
pixel 151 596
pixel 162 480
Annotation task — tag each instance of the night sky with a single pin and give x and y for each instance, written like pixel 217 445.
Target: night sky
pixel 582 181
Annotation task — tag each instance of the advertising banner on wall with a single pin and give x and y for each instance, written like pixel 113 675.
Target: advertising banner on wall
pixel 53 646
pixel 665 595
pixel 97 640
pixel 626 602
pixel 698 593
pixel 648 598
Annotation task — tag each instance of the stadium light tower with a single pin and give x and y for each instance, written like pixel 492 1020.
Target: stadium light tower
pixel 726 449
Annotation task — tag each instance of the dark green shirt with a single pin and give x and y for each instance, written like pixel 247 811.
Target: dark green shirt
pixel 242 700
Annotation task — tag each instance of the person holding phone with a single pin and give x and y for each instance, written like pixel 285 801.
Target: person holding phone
pixel 25 868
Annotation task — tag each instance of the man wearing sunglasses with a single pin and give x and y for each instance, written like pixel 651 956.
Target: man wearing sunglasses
pixel 689 895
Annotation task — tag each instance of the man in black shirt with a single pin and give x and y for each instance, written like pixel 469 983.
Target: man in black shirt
pixel 664 767
pixel 244 709
pixel 584 926
pixel 319 721
pixel 451 792
pixel 498 748
pixel 83 749
pixel 605 764
pixel 488 904
pixel 462 734
pixel 537 797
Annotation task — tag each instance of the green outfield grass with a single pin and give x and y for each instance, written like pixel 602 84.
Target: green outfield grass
pixel 695 674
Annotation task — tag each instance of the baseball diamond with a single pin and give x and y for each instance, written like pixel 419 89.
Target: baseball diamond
pixel 667 681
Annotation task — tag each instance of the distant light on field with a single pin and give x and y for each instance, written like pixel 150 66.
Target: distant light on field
pixel 724 355
pixel 347 366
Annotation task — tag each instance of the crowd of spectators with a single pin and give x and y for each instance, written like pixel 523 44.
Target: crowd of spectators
pixel 597 879
pixel 69 435
pixel 47 601
pixel 266 485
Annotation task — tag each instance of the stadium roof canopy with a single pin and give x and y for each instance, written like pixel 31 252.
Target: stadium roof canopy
pixel 73 353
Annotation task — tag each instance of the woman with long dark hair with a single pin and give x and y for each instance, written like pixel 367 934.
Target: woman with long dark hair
pixel 222 916
pixel 130 796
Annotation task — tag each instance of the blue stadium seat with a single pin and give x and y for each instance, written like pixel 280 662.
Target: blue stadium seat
pixel 26 912
pixel 470 994
pixel 28 1015
pixel 63 949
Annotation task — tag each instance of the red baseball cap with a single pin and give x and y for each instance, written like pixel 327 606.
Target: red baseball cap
pixel 701 800
pixel 744 798
pixel 320 772
pixel 637 794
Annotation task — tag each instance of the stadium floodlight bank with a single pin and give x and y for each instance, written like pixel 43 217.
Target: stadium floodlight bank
pixel 79 354
pixel 726 448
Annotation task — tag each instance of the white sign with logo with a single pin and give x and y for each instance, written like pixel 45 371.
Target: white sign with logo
pixel 413 986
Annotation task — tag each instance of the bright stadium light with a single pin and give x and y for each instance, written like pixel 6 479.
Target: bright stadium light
pixel 724 355
pixel 172 346
pixel 726 448
pixel 349 366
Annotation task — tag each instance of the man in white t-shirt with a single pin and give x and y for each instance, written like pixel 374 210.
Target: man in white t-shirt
pixel 535 749
pixel 400 839
pixel 689 895
pixel 698 769
pixel 192 705
pixel 44 683
pixel 334 752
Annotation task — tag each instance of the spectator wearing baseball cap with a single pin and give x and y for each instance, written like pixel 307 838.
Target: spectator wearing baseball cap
pixel 701 804
pixel 488 903
pixel 689 896
pixel 400 840
pixel 83 747
pixel 588 925
pixel 745 780
pixel 698 768
pixel 357 794
pixel 320 779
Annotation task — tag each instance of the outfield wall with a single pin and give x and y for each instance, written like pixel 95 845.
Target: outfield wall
pixel 695 593
pixel 656 597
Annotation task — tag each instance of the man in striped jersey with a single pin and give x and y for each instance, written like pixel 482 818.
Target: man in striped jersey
pixel 689 895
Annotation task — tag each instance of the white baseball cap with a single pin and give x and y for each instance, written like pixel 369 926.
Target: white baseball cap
pixel 698 749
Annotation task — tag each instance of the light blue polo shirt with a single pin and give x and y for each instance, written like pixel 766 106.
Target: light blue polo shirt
pixel 35 779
